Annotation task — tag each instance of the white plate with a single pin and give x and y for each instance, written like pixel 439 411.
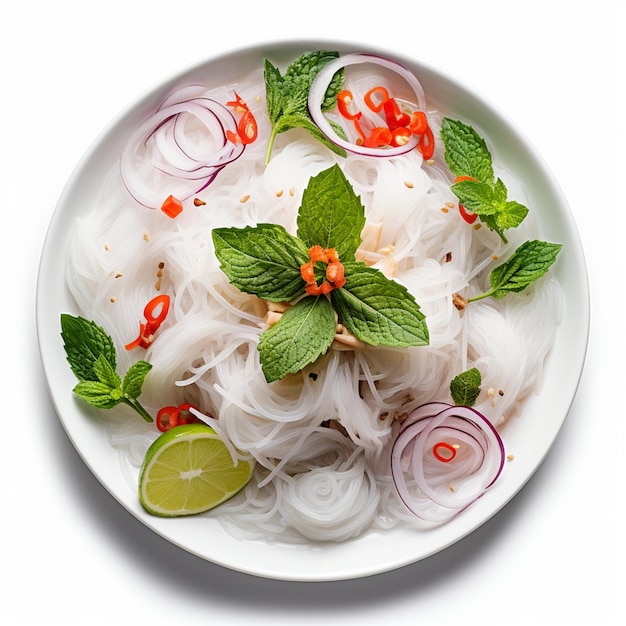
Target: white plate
pixel 529 437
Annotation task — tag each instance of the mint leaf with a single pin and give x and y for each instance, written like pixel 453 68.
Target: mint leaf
pixel 511 216
pixel 529 262
pixel 466 153
pixel 287 96
pixel 84 341
pixel 263 260
pixel 303 333
pixel 98 394
pixel 273 91
pixel 378 310
pixel 106 374
pixel 331 214
pixel 134 379
pixel 299 77
pixel 465 388
pixel 480 198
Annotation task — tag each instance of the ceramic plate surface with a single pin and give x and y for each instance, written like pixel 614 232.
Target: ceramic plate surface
pixel 530 436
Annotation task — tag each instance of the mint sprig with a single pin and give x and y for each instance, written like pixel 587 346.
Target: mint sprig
pixel 287 97
pixel 92 357
pixel 529 263
pixel 467 155
pixel 465 387
pixel 375 309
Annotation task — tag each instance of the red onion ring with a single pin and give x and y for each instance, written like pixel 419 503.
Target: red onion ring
pixel 437 491
pixel 323 79
pixel 163 157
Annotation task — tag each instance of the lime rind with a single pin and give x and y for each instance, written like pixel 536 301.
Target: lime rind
pixel 189 470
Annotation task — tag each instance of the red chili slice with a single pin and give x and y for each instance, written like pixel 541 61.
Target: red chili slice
pixel 450 452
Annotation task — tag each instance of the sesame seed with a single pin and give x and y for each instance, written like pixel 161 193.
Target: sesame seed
pixel 146 236
pixel 445 209
pixel 244 198
pixel 279 193
pixel 477 226
pixel 490 392
pixel 107 247
pixel 113 299
pixel 198 202
pixel 510 457
pixel 118 275
pixel 500 392
pixel 292 191
pixel 409 184
pixel 451 487
pixel 494 257
pixel 450 205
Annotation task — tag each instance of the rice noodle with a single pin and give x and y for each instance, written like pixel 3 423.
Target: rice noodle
pixel 312 482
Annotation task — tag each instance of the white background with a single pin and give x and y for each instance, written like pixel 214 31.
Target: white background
pixel 72 555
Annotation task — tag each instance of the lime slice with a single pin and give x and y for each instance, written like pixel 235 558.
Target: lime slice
pixel 189 470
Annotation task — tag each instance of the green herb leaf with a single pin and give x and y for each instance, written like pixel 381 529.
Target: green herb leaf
pixel 480 198
pixel 263 260
pixel 134 379
pixel 466 153
pixel 378 310
pixel 465 388
pixel 106 374
pixel 511 216
pixel 287 96
pixel 98 394
pixel 303 333
pixel 331 214
pixel 529 262
pixel 85 341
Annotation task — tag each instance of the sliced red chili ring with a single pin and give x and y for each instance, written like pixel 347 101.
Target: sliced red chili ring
pixel 450 452
pixel 382 97
pixel 167 418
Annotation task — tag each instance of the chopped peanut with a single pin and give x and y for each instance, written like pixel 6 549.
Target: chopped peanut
pixel 459 301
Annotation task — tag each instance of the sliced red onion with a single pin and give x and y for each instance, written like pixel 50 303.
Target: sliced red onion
pixel 320 86
pixel 434 487
pixel 164 156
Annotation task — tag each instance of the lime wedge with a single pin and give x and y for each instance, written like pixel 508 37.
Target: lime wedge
pixel 189 470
